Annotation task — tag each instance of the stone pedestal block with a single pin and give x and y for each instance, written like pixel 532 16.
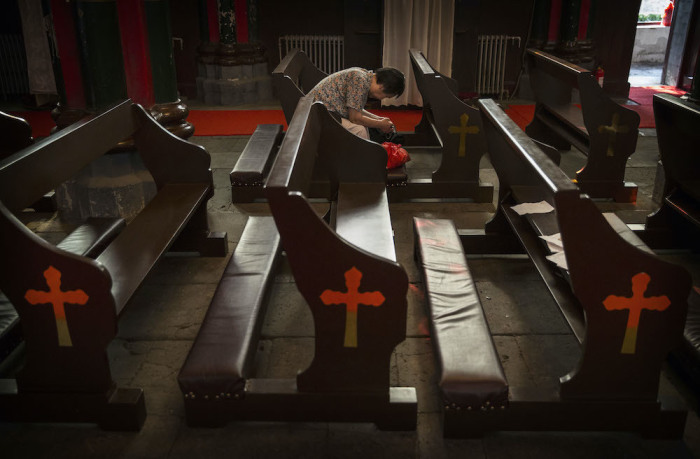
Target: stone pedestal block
pixel 659 183
pixel 114 185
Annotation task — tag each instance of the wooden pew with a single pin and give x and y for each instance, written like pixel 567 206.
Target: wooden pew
pixel 676 224
pixel 601 128
pixel 69 304
pixel 344 266
pixel 456 127
pixel 615 385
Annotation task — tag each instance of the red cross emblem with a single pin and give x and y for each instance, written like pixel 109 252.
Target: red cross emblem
pixel 352 298
pixel 58 299
pixel 636 304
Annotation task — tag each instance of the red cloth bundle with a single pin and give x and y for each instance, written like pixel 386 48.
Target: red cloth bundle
pixel 396 155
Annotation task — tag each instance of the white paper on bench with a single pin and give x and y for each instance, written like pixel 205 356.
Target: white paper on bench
pixel 554 242
pixel 542 207
pixel 559 258
pixel 556 246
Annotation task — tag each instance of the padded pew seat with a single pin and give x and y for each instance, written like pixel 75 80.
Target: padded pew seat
pixel 471 374
pixel 222 355
pixel 361 206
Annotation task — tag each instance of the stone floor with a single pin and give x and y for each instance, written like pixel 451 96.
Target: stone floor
pixel 645 74
pixel 162 320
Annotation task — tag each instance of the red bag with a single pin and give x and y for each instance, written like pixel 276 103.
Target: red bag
pixel 396 155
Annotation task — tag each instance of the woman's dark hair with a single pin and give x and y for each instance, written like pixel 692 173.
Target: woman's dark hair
pixel 392 80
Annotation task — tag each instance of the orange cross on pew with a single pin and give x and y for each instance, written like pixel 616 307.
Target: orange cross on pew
pixel 463 130
pixel 58 299
pixel 613 129
pixel 636 304
pixel 352 298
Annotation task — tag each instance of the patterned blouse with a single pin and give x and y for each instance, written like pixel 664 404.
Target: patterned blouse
pixel 348 88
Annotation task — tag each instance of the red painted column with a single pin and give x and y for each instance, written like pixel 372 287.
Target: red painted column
pixel 67 43
pixel 241 10
pixel 583 20
pixel 135 47
pixel 554 23
pixel 213 16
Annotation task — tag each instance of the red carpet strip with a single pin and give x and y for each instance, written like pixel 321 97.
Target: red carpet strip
pixel 244 122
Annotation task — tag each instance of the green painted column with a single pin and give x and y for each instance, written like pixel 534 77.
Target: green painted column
pixel 540 23
pixel 203 20
pixel 160 44
pixel 253 30
pixel 227 22
pixel 695 86
pixel 168 109
pixel 591 20
pixel 101 53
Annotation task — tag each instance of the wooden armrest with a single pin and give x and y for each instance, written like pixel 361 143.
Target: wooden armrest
pixel 134 252
pixel 256 157
pixel 362 218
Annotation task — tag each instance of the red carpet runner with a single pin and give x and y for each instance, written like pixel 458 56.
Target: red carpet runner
pixel 243 122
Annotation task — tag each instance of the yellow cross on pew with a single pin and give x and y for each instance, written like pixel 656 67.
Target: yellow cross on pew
pixel 463 130
pixel 613 129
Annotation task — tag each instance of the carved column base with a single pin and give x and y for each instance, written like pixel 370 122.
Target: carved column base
pixel 173 117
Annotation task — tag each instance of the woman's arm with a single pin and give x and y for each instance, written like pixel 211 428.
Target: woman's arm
pixel 364 118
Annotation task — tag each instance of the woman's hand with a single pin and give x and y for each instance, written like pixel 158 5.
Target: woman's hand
pixel 386 126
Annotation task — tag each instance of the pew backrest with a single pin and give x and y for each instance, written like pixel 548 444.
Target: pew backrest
pixel 552 77
pixel 294 77
pixel 16 134
pixel 526 164
pixel 678 131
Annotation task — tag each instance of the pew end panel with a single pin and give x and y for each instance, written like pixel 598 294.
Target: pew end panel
pixel 335 267
pixel 613 131
pixel 635 305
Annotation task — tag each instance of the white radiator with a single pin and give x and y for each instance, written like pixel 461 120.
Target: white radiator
pixel 13 67
pixel 491 66
pixel 327 52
